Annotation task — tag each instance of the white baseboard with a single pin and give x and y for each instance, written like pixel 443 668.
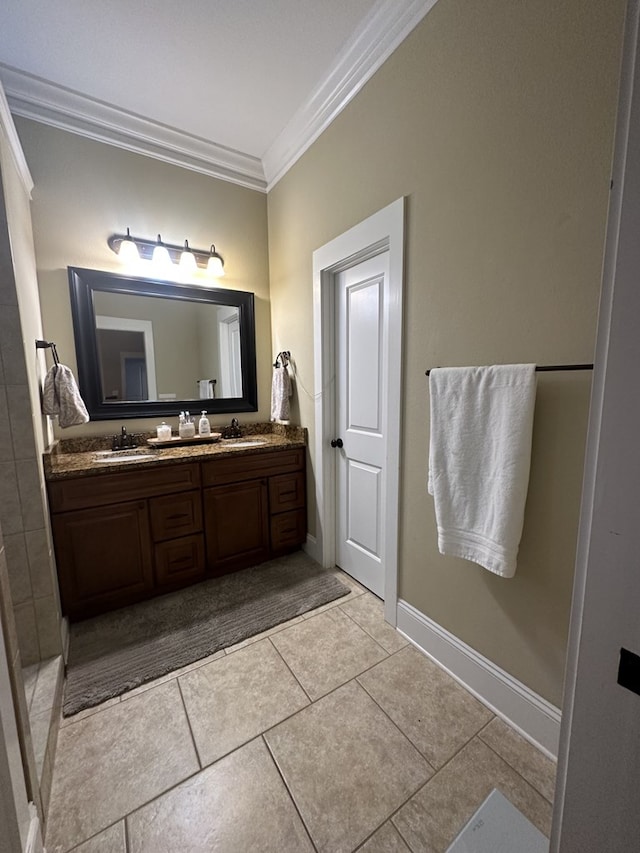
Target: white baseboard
pixel 531 715
pixel 312 548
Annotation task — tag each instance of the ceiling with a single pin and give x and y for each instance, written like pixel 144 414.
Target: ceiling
pixel 239 87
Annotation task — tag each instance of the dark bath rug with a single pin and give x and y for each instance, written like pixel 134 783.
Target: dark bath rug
pixel 118 651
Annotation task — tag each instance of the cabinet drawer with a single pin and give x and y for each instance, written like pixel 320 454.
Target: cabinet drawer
pixel 175 515
pixel 235 469
pixel 286 491
pixel 103 489
pixel 288 530
pixel 180 560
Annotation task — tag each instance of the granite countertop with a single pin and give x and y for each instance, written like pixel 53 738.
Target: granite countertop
pixel 82 457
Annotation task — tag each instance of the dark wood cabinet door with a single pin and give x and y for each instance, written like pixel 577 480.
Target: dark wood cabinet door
pixel 104 557
pixel 237 525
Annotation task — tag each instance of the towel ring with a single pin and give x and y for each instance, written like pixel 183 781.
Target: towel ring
pixel 49 345
pixel 285 356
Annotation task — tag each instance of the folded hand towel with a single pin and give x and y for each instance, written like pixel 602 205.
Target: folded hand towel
pixel 280 393
pixel 205 388
pixel 479 460
pixel 60 396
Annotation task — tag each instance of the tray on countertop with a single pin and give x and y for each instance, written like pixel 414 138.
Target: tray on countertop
pixel 176 440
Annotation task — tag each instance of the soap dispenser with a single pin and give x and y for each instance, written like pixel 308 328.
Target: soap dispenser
pixel 204 426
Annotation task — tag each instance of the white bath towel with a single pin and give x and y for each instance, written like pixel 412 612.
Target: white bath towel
pixel 60 396
pixel 280 394
pixel 479 460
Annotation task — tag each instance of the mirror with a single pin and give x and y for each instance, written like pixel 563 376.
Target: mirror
pixel 149 348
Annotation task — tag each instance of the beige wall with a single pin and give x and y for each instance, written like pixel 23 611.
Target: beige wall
pixel 85 191
pixel 495 120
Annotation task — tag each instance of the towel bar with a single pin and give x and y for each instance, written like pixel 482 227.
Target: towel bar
pixel 544 368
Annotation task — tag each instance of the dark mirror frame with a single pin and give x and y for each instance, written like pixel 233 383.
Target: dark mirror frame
pixel 84 282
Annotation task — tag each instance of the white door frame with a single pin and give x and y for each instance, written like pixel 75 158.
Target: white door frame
pixel 124 324
pixel 230 382
pixel 598 772
pixel 384 231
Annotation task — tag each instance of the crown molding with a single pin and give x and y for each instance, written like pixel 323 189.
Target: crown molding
pixel 34 98
pixel 8 127
pixel 389 23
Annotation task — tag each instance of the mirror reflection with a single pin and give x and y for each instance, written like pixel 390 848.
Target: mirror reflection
pixel 149 347
pixel 157 349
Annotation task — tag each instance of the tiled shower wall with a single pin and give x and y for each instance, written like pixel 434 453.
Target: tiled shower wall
pixel 32 576
pixel 7 623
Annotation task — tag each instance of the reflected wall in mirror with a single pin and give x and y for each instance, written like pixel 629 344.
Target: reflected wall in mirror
pixel 147 347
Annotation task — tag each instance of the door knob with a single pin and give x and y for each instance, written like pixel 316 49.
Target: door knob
pixel 336 442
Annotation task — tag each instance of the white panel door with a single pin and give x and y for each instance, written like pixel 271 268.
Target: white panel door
pixel 360 420
pixel 230 357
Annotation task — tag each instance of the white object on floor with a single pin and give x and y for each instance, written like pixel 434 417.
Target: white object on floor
pixel 479 460
pixel 498 827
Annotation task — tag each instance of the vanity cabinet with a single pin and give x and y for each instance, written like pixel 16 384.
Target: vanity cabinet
pixel 111 550
pixel 242 498
pixel 124 537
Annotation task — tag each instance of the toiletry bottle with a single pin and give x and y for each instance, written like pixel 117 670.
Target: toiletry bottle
pixel 182 422
pixel 204 427
pixel 187 428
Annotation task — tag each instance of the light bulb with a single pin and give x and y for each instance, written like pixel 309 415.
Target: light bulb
pixel 188 264
pixel 161 257
pixel 215 266
pixel 128 251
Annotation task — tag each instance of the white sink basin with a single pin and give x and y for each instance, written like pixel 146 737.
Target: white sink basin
pixel 249 443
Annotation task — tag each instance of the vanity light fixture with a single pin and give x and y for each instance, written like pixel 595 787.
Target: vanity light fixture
pixel 131 249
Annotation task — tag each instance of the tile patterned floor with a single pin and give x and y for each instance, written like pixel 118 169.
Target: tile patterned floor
pixel 329 733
